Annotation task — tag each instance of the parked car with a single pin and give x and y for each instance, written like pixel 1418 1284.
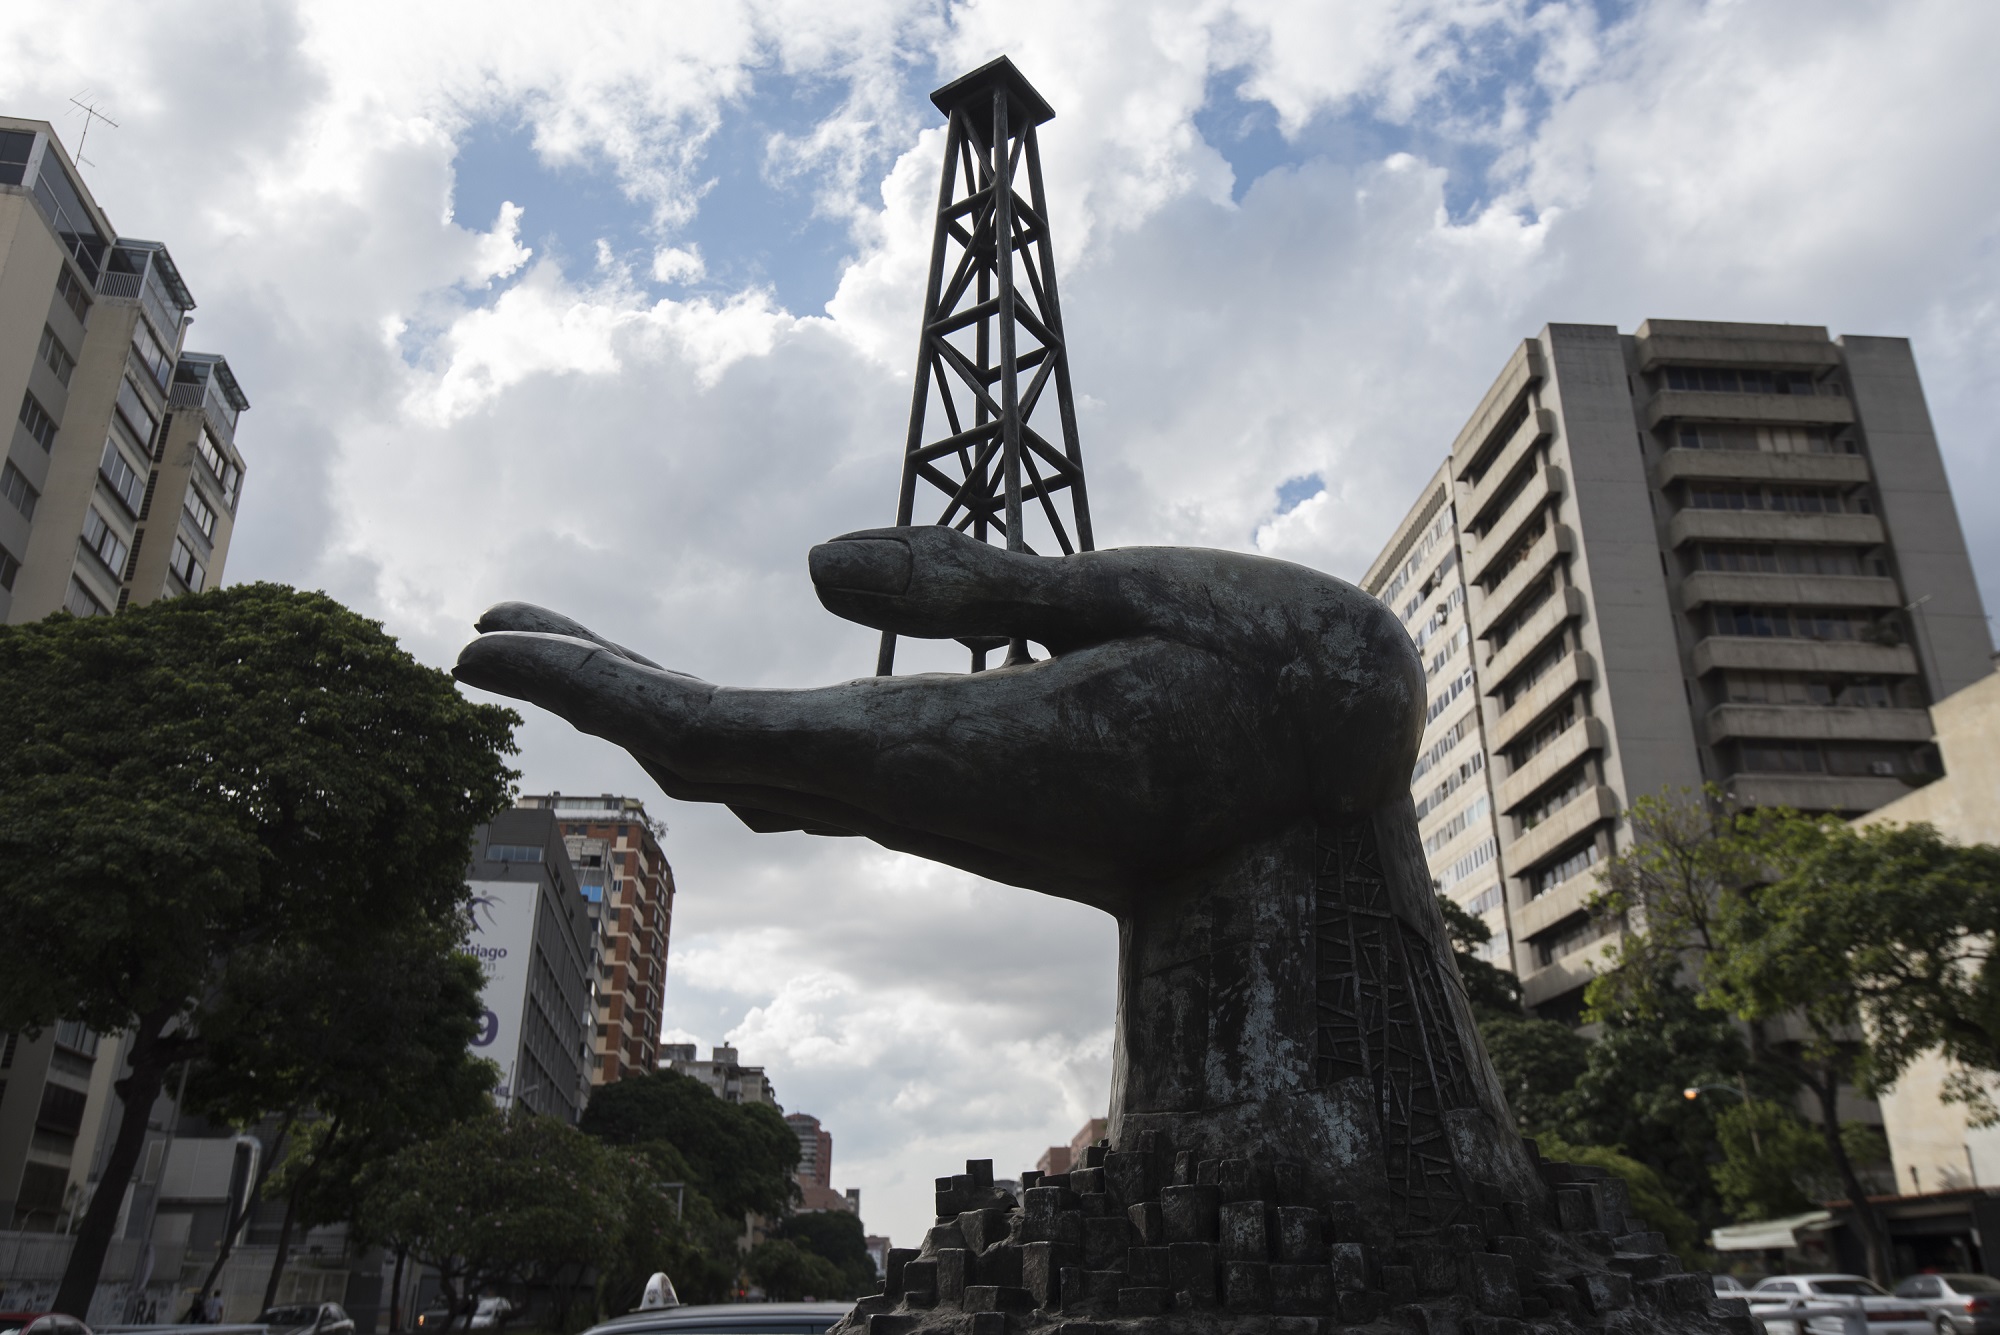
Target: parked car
pixel 1728 1286
pixel 486 1314
pixel 305 1319
pixel 1886 1315
pixel 1958 1304
pixel 731 1319
pixel 40 1323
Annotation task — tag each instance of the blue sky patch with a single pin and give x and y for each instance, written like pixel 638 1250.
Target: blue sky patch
pixel 1296 491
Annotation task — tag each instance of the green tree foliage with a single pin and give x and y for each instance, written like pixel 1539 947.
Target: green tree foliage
pixel 1650 1197
pixel 741 1156
pixel 1538 1062
pixel 1776 1163
pixel 197 779
pixel 671 1228
pixel 502 1200
pixel 836 1237
pixel 788 1272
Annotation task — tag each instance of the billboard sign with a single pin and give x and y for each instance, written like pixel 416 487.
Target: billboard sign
pixel 503 934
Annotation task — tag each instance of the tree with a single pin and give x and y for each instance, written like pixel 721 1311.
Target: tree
pixel 1490 989
pixel 500 1200
pixel 206 776
pixel 1538 1063
pixel 741 1156
pixel 788 1272
pixel 836 1237
pixel 671 1227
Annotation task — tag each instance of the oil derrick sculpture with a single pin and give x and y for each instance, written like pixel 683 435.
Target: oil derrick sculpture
pixel 984 329
pixel 1306 1134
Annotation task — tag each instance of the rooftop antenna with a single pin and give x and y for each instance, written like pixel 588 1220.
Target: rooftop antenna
pixel 991 349
pixel 90 114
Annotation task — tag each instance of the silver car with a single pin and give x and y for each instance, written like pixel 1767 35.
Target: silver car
pixel 729 1319
pixel 1957 1304
pixel 1777 1302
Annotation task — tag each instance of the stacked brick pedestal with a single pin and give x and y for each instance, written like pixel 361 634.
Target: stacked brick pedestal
pixel 1150 1241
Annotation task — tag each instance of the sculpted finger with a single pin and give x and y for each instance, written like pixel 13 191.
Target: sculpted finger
pixel 599 690
pixel 540 620
pixel 935 583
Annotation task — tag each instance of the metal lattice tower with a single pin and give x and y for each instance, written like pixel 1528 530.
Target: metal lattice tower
pixel 992 346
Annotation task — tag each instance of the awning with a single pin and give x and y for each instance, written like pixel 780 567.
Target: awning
pixel 1769 1234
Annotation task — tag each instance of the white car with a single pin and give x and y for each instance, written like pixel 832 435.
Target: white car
pixel 1827 1305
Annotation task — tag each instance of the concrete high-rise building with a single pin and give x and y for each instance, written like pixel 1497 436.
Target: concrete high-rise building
pixel 121 476
pixel 724 1073
pixel 1419 576
pixel 815 1149
pixel 629 887
pixel 1698 552
pixel 531 934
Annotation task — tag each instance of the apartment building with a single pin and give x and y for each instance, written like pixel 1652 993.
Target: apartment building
pixel 724 1073
pixel 1697 552
pixel 531 935
pixel 1420 577
pixel 121 476
pixel 629 889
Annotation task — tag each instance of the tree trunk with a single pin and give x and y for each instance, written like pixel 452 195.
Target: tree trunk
pixel 396 1293
pixel 1826 1085
pixel 284 1248
pixel 151 1055
pixel 234 1224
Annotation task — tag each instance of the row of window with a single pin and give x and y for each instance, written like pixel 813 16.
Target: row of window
pixel 1786 500
pixel 1574 863
pixel 1451 737
pixel 1796 623
pixel 1573 935
pixel 1558 795
pixel 1800 688
pixel 139 418
pixel 513 852
pixel 1746 380
pixel 81 602
pixel 10 566
pixel 55 356
pixel 103 542
pixel 198 510
pixel 1530 605
pixel 1440 615
pixel 181 560
pixel 1844 759
pixel 36 418
pixel 1473 766
pixel 226 472
pixel 158 363
pixel 1542 735
pixel 1445 651
pixel 75 294
pixel 20 493
pixel 1442 702
pixel 1488 900
pixel 1470 863
pixel 119 475
pixel 1764 439
pixel 1440 527
pixel 1456 826
pixel 1516 554
pixel 1782 559
pixel 1541 665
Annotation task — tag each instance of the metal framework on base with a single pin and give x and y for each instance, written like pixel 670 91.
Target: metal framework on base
pixel 985 330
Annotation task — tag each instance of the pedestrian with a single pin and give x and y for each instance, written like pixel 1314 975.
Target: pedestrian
pixel 211 1311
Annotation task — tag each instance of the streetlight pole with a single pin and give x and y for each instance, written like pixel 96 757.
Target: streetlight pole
pixel 1693 1092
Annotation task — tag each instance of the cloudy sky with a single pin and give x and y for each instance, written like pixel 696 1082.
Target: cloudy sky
pixel 613 307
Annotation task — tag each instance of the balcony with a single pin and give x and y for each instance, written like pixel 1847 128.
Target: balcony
pixel 1775 655
pixel 1772 526
pixel 1657 350
pixel 1567 974
pixel 1521 374
pixel 1498 605
pixel 1539 698
pixel 1670 405
pixel 1728 586
pixel 1550 907
pixel 1814 792
pixel 1482 552
pixel 1562 827
pixel 1475 500
pixel 1819 723
pixel 1529 639
pixel 1575 742
pixel 1678 464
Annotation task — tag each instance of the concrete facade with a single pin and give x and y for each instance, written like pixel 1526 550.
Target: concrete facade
pixel 1698 552
pixel 629 889
pixel 1934 1145
pixel 724 1073
pixel 121 476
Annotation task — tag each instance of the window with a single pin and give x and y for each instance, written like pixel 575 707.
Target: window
pixel 1783 559
pixel 55 356
pixel 1738 380
pixel 36 418
pixel 1798 688
pixel 14 484
pixel 138 417
pixel 1769 439
pixel 513 853
pixel 1557 796
pixel 218 463
pixel 9 567
pixel 81 601
pixel 103 542
pixel 197 510
pixel 1473 765
pixel 1545 732
pixel 1792 500
pixel 151 355
pixel 118 473
pixel 1573 863
pixel 63 207
pixel 1468 864
pixel 1792 623
pixel 74 294
pixel 1459 684
pixel 188 570
pixel 1451 737
pixel 15 146
pixel 77 1037
pixel 1488 900
pixel 1454 827
pixel 1540 666
pixel 1572 935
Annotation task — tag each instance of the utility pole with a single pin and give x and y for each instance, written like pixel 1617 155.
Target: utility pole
pixel 991 349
